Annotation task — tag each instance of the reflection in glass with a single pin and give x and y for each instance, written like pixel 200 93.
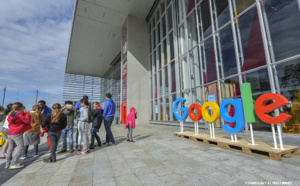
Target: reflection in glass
pixel 158 33
pixel 221 13
pixel 195 67
pixel 154 61
pixel 155 85
pixel 165 52
pixel 282 17
pixel 163 24
pixel 204 19
pixel 180 10
pixel 159 57
pixel 189 6
pixel 230 88
pixel 182 41
pixel 185 73
pixel 259 81
pixel 241 5
pixel 171 45
pixel 192 30
pixel 166 81
pixel 226 52
pixel 250 42
pixel 167 114
pixel 209 62
pixel 287 77
pixel 170 22
pixel 160 84
pixel 162 5
pixel 173 77
pixel 174 97
pixel 161 103
pixel 156 109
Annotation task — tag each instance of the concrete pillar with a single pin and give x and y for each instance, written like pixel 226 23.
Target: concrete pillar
pixel 137 69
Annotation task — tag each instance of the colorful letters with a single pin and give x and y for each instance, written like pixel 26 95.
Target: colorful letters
pixel 241 111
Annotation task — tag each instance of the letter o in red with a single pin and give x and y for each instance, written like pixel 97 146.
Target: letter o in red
pixel 192 113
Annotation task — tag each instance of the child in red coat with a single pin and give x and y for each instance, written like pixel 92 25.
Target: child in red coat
pixel 130 123
pixel 19 122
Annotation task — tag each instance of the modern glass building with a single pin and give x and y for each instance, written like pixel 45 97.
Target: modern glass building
pixel 201 50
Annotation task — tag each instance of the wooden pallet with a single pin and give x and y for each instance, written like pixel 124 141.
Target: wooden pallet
pixel 264 150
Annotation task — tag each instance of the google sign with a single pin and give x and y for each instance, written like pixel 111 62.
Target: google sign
pixel 245 111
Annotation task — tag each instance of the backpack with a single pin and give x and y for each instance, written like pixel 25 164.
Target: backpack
pixel 91 117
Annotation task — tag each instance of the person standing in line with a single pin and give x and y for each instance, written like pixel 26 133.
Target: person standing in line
pixel 45 110
pixel 78 108
pixel 130 123
pixel 5 130
pixel 97 115
pixel 69 110
pixel 55 122
pixel 108 116
pixel 32 136
pixel 19 122
pixel 85 122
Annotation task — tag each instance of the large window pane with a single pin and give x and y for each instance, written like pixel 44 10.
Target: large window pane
pixel 163 24
pixel 173 77
pixel 165 52
pixel 195 67
pixel 180 10
pixel 221 13
pixel 251 47
pixel 288 81
pixel 189 6
pixel 171 41
pixel 204 19
pixel 160 84
pixel 159 57
pixel 174 97
pixel 161 108
pixel 226 52
pixel 282 23
pixel 185 78
pixel 192 30
pixel 209 62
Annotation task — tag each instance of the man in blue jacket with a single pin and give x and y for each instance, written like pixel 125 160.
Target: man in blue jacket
pixel 45 110
pixel 108 116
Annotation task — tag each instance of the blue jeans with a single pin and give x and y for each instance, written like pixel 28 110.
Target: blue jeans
pixel 64 137
pixel 107 124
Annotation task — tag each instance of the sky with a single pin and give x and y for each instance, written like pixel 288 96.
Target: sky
pixel 34 41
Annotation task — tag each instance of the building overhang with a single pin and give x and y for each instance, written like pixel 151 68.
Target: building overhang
pixel 96 33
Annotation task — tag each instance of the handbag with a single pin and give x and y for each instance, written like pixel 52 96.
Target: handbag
pixel 2 140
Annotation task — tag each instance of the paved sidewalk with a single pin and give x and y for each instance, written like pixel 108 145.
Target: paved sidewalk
pixel 156 158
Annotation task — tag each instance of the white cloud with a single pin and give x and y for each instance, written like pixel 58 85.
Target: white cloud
pixel 34 39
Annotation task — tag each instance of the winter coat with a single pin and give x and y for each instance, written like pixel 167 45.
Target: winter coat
pixel 54 127
pixel 109 108
pixel 97 114
pixel 130 122
pixel 35 124
pixel 19 123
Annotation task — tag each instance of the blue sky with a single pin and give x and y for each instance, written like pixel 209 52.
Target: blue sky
pixel 34 40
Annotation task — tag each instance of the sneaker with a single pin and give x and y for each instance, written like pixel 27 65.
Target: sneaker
pixel 80 153
pixel 105 143
pixel 7 166
pixel 131 140
pixel 79 148
pixel 17 166
pixel 86 152
pixel 127 139
pixel 2 157
pixel 62 151
pixel 111 144
pixel 23 157
pixel 35 155
pixel 71 151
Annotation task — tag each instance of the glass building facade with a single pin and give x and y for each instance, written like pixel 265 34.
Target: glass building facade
pixel 203 50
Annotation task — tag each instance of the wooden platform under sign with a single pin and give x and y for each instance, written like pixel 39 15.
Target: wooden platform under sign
pixel 261 149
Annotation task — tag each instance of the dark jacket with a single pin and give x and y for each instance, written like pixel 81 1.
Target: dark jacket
pixel 54 127
pixel 97 114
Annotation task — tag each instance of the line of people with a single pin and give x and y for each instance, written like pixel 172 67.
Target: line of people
pixel 23 128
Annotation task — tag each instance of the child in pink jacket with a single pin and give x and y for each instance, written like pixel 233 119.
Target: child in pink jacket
pixel 130 123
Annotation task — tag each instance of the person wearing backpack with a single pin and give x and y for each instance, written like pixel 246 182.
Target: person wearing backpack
pixel 85 119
